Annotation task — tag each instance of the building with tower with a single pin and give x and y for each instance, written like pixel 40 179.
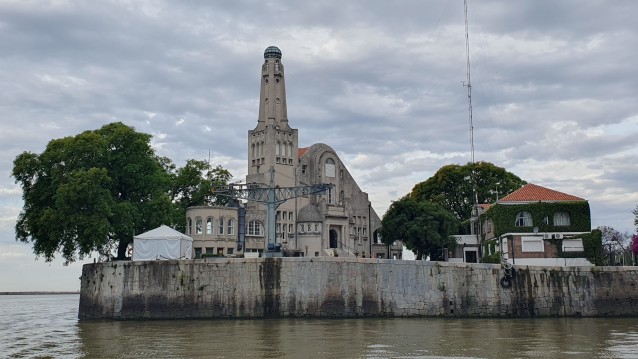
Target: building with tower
pixel 340 222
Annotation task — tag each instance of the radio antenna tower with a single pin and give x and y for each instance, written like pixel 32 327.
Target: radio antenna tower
pixel 474 220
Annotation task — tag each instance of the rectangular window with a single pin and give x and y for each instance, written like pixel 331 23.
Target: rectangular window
pixel 532 244
pixel 316 254
pixel 573 245
pixel 290 216
pixel 198 252
pixel 304 168
pixel 231 227
pixel 229 251
pixel 221 226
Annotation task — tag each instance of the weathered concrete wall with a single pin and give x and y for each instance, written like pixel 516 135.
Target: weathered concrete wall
pixel 349 287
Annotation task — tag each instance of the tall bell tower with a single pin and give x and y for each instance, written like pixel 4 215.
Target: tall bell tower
pixel 272 144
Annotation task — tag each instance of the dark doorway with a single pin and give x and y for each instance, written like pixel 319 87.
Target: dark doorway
pixel 334 239
pixel 470 257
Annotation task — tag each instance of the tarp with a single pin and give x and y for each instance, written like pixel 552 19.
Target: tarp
pixel 162 243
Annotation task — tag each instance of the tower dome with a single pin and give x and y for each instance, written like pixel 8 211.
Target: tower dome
pixel 272 52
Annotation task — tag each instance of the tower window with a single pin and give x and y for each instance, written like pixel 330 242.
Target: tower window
pixel 330 167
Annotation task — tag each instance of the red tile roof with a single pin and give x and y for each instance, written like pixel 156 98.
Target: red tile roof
pixel 534 193
pixel 302 151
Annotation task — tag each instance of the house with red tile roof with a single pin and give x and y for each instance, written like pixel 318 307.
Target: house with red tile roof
pixel 535 225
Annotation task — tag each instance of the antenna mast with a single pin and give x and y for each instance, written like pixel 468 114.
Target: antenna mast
pixel 474 220
pixel 469 82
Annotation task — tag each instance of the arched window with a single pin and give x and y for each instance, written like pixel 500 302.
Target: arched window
pixel 198 225
pixel 189 228
pixel 261 148
pixel 330 168
pixel 561 219
pixel 231 227
pixel 221 226
pixel 289 150
pixel 277 149
pixel 209 226
pixel 301 227
pixel 255 228
pixel 524 219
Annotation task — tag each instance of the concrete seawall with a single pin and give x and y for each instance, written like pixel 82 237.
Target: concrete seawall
pixel 349 287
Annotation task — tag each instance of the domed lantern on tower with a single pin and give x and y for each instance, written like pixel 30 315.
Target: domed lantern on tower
pixel 272 52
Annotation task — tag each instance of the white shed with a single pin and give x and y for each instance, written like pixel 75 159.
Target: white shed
pixel 162 243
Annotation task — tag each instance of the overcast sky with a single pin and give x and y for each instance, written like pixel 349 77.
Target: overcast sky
pixel 554 91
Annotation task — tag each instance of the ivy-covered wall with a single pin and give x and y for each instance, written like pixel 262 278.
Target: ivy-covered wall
pixel 503 217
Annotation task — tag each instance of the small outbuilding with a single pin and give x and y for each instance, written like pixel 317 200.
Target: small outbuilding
pixel 162 243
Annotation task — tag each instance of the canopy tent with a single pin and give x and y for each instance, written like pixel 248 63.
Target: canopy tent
pixel 162 243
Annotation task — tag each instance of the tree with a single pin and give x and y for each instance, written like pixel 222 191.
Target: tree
pixel 614 243
pixel 91 192
pixel 424 227
pixel 451 187
pixel 635 212
pixel 634 246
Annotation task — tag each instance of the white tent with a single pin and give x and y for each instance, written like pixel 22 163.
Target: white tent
pixel 162 243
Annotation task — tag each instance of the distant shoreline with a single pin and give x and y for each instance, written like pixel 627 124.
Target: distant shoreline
pixel 39 292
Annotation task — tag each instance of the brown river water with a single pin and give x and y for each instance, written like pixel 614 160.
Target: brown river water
pixel 46 326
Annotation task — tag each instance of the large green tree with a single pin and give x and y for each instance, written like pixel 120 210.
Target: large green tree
pixel 451 187
pixel 92 192
pixel 424 227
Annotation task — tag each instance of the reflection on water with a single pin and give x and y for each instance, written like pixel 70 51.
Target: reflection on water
pixel 46 325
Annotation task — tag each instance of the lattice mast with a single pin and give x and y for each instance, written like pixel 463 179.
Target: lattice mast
pixel 474 220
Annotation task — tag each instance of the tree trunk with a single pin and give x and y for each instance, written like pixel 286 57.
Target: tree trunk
pixel 121 250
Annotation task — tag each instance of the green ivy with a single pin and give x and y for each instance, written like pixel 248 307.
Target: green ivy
pixel 503 217
pixel 593 245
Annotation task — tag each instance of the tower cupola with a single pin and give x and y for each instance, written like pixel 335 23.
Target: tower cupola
pixel 272 52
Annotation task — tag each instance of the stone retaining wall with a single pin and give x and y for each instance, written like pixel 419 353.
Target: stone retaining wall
pixel 349 287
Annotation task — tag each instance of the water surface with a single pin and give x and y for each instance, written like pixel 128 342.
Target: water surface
pixel 46 326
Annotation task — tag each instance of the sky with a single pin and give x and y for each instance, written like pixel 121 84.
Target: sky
pixel 553 91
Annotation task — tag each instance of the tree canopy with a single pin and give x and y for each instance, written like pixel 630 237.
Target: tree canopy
pixel 451 187
pixel 96 190
pixel 424 227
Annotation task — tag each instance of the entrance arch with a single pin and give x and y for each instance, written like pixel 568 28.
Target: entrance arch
pixel 334 239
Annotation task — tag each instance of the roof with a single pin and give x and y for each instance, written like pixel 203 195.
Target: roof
pixel 163 232
pixel 535 193
pixel 309 213
pixel 301 151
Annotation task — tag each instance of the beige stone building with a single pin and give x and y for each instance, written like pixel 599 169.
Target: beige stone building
pixel 340 222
